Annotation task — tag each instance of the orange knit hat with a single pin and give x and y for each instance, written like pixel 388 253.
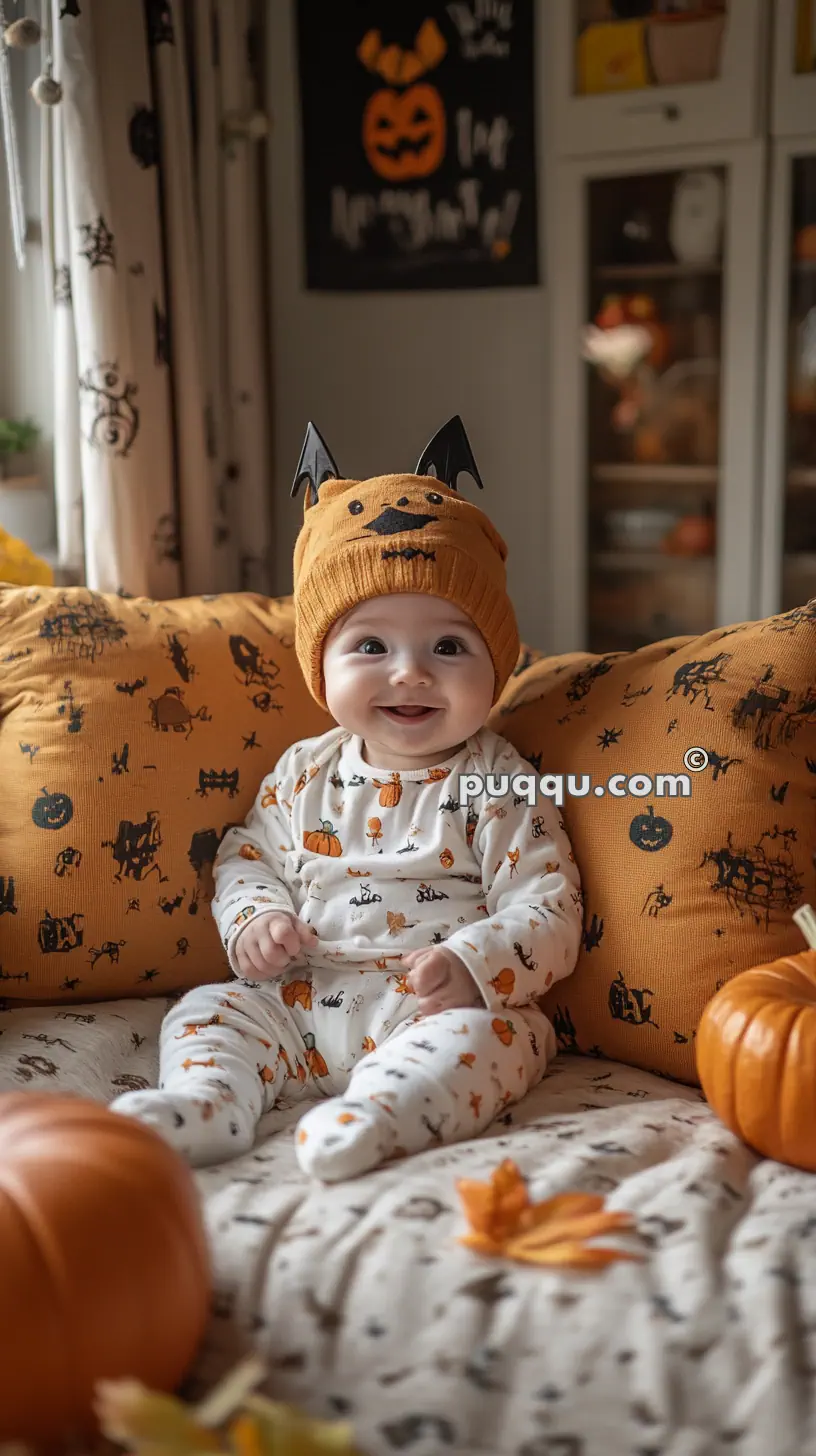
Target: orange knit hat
pixel 397 533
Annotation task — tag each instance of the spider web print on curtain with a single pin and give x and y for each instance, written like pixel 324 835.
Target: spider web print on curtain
pixel 161 448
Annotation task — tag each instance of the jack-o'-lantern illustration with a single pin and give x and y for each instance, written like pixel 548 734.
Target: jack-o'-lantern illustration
pixel 52 811
pixel 404 132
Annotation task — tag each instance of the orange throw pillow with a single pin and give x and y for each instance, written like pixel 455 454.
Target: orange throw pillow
pixel 680 893
pixel 132 733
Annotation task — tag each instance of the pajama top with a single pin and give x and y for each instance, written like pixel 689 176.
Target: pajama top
pixel 381 862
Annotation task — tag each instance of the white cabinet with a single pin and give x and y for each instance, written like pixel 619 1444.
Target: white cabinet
pixel 654 75
pixel 654 464
pixel 788 538
pixel 793 109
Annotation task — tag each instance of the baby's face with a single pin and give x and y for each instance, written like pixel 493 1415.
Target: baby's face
pixel 411 675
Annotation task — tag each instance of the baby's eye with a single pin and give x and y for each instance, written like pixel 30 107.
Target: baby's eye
pixel 433 498
pixel 355 507
pixel 449 647
pixel 371 646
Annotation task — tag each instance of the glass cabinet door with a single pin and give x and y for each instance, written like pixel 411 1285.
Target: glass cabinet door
pixel 653 347
pixel 651 73
pixel 793 111
pixel 799 515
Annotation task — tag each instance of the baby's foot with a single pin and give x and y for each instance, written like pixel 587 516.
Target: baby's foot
pixel 342 1138
pixel 203 1130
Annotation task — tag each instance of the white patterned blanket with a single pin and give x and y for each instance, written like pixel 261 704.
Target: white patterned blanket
pixel 364 1304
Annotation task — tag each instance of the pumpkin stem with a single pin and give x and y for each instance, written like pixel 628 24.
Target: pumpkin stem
pixel 805 918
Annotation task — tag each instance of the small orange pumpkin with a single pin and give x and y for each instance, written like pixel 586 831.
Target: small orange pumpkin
pixel 504 982
pixel 249 851
pixel 300 991
pixel 270 796
pixel 756 1054
pixel 436 775
pixel 504 1030
pixel 105 1265
pixel 323 840
pixel 390 793
pixel 446 859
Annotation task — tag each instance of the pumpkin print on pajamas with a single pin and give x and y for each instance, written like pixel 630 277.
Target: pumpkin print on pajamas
pixel 390 792
pixel 504 983
pixel 300 992
pixel 504 1030
pixel 314 1061
pixel 323 841
pixel 250 851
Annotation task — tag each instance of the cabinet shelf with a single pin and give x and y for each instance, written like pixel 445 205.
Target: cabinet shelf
pixel 689 475
pixel 802 477
pixel 611 272
pixel 646 561
pixel 800 561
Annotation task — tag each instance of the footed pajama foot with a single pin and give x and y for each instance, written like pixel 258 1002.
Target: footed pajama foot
pixel 203 1130
pixel 342 1138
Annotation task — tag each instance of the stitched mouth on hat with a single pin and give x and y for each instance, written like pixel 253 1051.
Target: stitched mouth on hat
pixel 391 521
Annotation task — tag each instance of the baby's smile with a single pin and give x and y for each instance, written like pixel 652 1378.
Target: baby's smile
pixel 407 712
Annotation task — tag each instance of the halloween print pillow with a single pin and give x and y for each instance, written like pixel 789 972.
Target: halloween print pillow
pixel 133 733
pixel 680 893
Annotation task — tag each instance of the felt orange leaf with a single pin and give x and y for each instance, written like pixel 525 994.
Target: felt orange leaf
pixel 506 1223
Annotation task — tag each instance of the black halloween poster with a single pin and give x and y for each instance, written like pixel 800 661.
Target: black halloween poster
pixel 418 136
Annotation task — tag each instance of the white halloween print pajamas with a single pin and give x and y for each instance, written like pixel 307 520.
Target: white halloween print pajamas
pixel 379 863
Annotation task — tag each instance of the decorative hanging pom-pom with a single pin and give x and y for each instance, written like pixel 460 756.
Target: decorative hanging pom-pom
pixel 46 91
pixel 22 33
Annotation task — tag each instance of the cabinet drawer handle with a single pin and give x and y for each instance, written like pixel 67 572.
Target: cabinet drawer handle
pixel 668 111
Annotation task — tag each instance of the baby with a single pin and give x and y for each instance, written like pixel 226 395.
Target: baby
pixel 389 939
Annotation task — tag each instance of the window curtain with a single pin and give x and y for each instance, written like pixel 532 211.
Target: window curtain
pixel 152 196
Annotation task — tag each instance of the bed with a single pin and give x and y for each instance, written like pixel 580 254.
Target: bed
pixel 364 1305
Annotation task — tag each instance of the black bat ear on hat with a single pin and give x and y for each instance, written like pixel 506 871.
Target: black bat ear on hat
pixel 315 464
pixel 448 454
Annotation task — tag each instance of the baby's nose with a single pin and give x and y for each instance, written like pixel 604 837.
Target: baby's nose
pixel 409 668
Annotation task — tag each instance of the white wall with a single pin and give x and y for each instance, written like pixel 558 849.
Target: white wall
pixel 379 373
pixel 25 350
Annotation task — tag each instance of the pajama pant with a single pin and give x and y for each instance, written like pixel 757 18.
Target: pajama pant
pixel 389 1081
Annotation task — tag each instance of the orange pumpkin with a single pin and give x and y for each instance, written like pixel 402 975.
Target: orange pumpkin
pixel 314 1060
pixel 756 1054
pixel 390 793
pixel 404 132
pixel 105 1264
pixel 323 840
pixel 446 859
pixel 270 797
pixel 504 1030
pixel 249 851
pixel 504 982
pixel 300 991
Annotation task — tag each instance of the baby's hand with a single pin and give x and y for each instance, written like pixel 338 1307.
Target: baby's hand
pixel 270 941
pixel 440 980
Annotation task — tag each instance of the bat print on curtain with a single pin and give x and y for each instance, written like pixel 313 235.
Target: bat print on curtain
pixel 161 400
